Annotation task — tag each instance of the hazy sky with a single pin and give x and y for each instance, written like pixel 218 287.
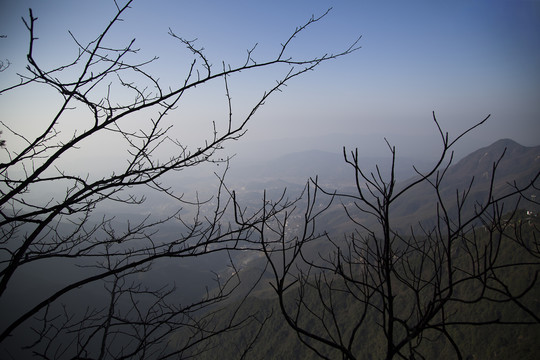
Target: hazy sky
pixel 463 59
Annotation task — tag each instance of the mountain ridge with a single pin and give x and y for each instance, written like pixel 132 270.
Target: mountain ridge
pixel 518 166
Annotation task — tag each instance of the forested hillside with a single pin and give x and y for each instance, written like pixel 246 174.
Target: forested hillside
pixel 503 330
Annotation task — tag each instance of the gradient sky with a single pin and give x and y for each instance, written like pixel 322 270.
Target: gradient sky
pixel 462 59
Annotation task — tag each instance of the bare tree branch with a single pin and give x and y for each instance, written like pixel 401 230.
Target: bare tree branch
pixel 104 254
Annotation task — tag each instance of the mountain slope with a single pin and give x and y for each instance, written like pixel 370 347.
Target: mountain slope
pixel 521 164
pixel 518 166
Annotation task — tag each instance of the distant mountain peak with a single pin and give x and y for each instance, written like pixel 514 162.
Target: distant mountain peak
pixel 516 158
pixel 498 147
pixel 505 142
pixel 509 144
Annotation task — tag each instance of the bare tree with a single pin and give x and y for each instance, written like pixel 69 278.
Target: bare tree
pixel 391 290
pixel 105 302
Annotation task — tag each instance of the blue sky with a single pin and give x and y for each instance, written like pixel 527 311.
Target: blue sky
pixel 462 59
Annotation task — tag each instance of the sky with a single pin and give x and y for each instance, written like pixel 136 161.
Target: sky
pixel 462 59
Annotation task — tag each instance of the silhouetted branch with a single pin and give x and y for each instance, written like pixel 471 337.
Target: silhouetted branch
pixel 53 214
